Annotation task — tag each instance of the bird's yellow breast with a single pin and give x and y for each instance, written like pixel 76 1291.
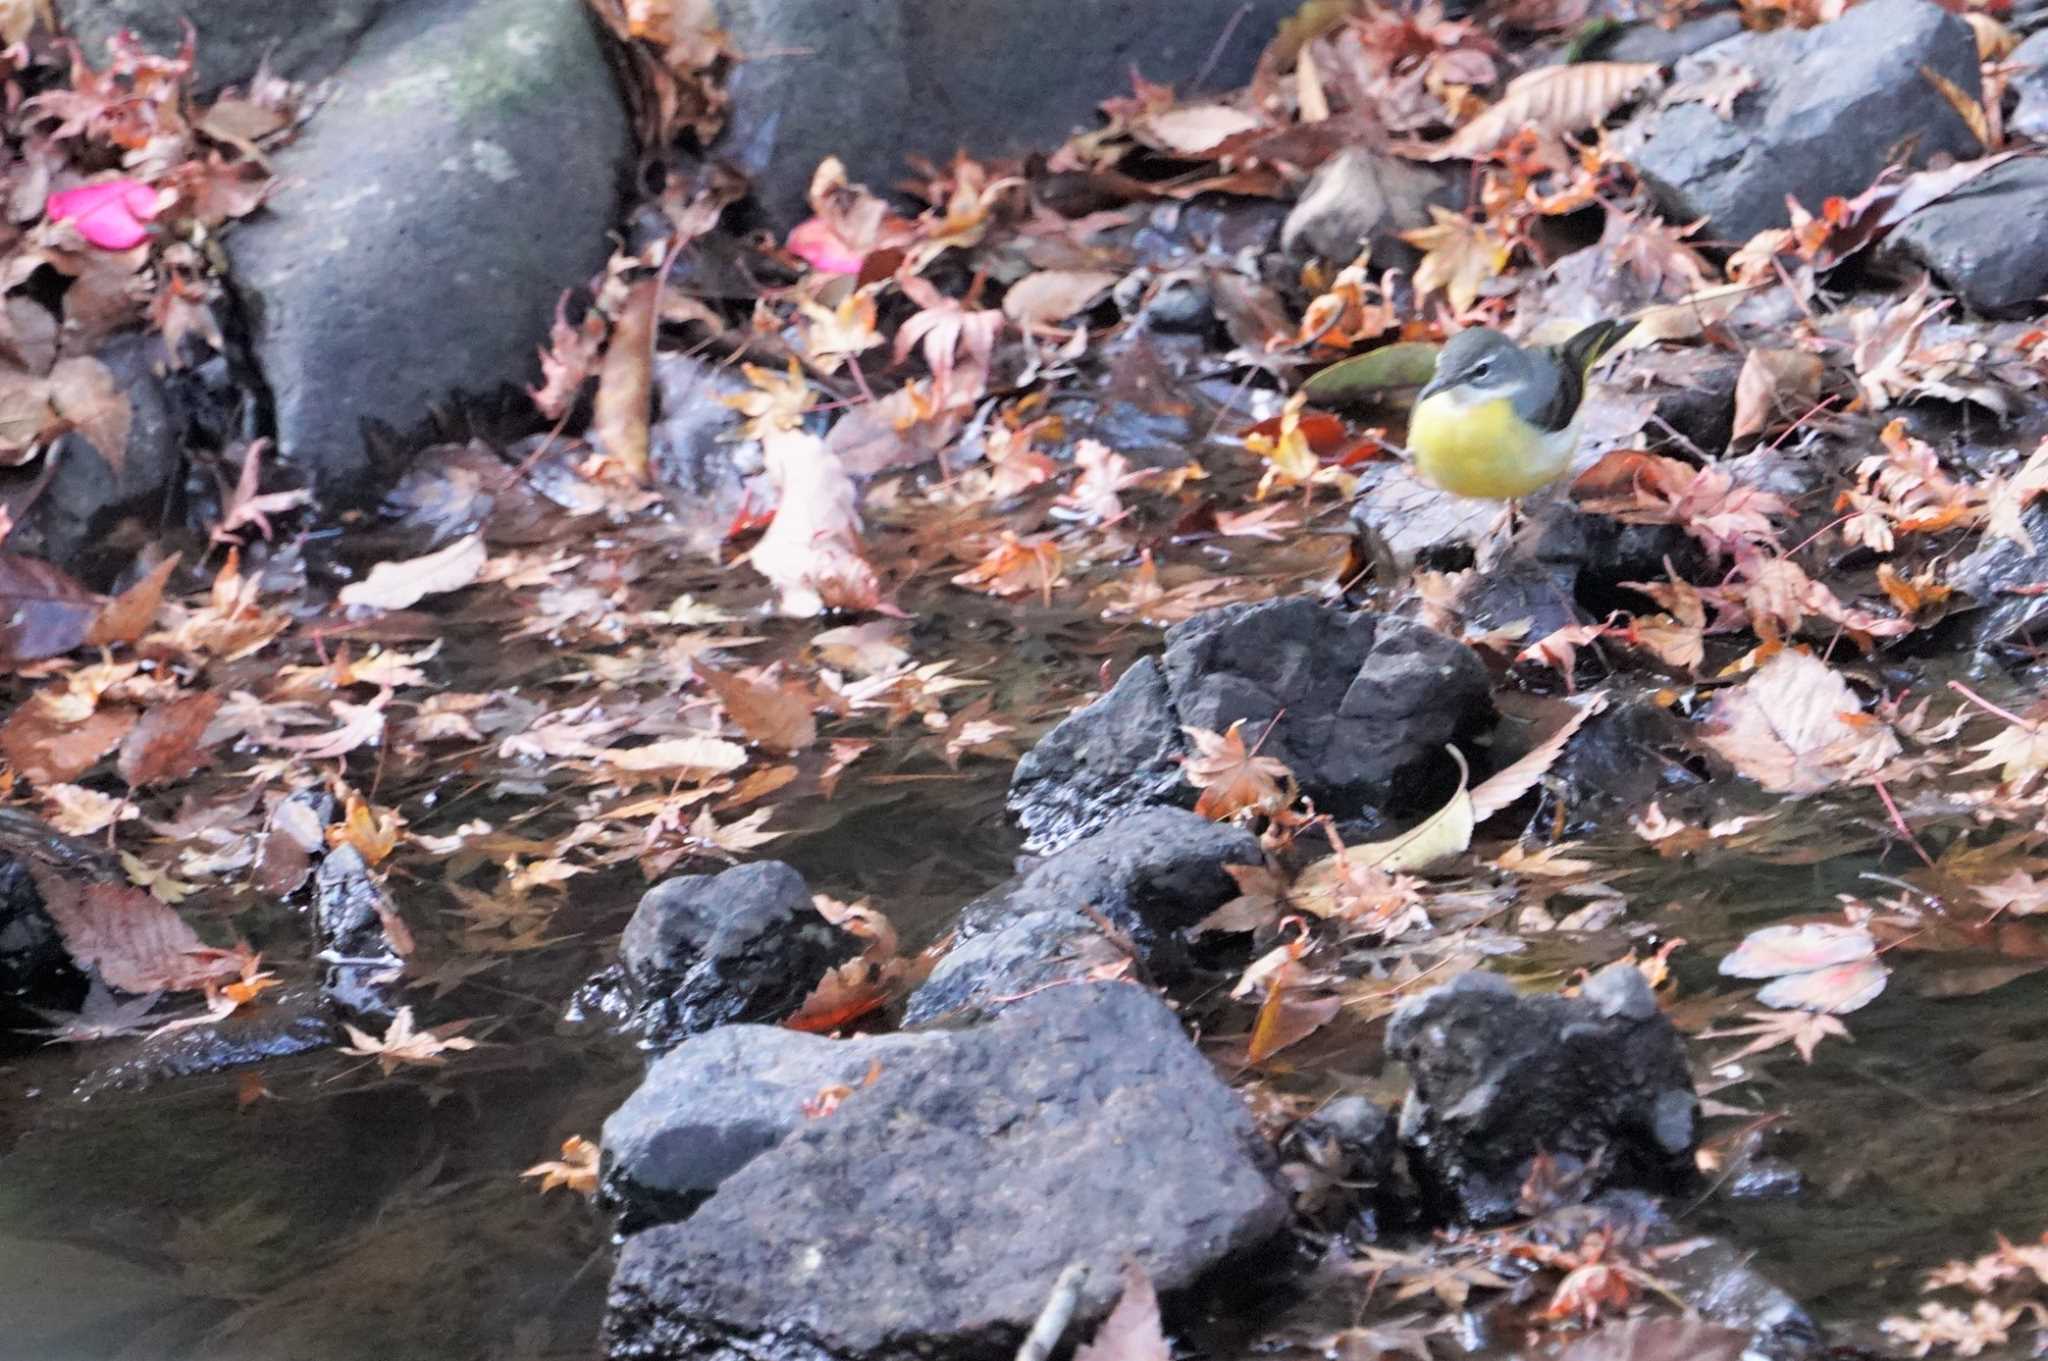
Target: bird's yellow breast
pixel 1483 448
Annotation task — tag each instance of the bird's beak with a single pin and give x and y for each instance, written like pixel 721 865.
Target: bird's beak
pixel 1431 388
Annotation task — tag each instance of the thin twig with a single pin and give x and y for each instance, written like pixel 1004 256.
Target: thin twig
pixel 1058 1312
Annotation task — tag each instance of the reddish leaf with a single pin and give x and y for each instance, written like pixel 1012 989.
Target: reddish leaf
pixel 49 752
pixel 129 615
pixel 136 943
pixel 165 744
pixel 777 717
pixel 44 612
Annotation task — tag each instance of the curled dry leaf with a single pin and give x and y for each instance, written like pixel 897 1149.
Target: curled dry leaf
pixel 88 398
pixel 1774 384
pixel 1194 130
pixel 620 416
pixel 48 751
pixel 400 585
pixel 1132 1332
pixel 1556 100
pixel 129 615
pixel 687 757
pixel 403 1042
pixel 1796 727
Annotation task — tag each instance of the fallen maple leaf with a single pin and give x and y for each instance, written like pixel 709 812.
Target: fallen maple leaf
pixel 1796 727
pixel 1233 778
pixel 403 1043
pixel 247 505
pixel 776 716
pixel 575 1169
pixel 1815 966
pixel 1459 257
pixel 165 744
pixel 1803 1030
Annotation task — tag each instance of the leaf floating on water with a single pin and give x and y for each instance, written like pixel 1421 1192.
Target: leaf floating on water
pixel 404 1043
pixel 575 1169
pixel 1503 787
pixel 1816 966
pixel 1796 727
pixel 135 942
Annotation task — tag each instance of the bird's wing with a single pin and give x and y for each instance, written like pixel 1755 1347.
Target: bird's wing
pixel 1554 396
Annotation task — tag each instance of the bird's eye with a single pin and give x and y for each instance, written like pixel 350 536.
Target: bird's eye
pixel 1482 368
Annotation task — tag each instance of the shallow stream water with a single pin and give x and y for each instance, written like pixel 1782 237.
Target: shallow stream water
pixel 340 1216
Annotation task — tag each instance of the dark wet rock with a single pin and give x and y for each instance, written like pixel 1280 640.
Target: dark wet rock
pixel 1832 107
pixel 1565 563
pixel 78 520
pixel 1344 1163
pixel 928 1214
pixel 1994 572
pixel 1598 1082
pixel 234 37
pixel 36 971
pixel 1152 874
pixel 1651 42
pixel 704 950
pixel 1626 755
pixel 936 76
pixel 2029 117
pixel 371 299
pixel 361 962
pixel 981 975
pixel 291 1021
pixel 1360 199
pixel 1720 1281
pixel 1966 239
pixel 1765 1179
pixel 692 450
pixel 1358 705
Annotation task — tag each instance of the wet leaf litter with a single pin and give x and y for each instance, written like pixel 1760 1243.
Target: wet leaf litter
pixel 519 725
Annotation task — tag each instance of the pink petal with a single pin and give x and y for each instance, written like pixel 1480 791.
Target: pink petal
pixel 111 214
pixel 815 243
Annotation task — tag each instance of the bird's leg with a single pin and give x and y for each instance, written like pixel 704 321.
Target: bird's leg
pixel 1495 538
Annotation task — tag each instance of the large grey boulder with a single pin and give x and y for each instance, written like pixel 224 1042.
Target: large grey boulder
pixel 234 37
pixel 1832 106
pixel 927 1213
pixel 1358 705
pixel 875 81
pixel 466 171
pixel 1966 239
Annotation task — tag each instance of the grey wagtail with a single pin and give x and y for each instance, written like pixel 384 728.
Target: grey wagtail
pixel 1499 421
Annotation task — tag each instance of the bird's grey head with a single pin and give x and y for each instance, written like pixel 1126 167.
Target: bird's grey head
pixel 1483 361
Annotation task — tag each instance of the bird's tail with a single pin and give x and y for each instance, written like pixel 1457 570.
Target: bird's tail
pixel 1583 350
